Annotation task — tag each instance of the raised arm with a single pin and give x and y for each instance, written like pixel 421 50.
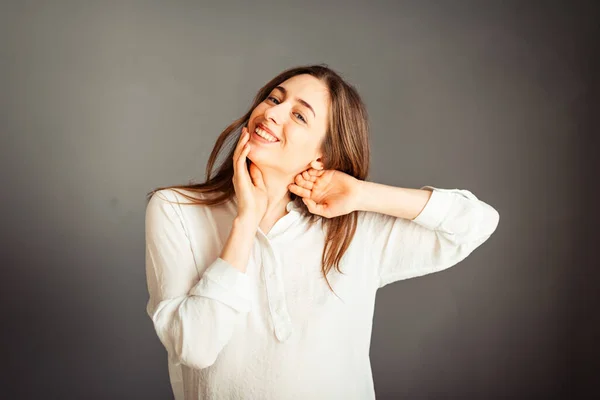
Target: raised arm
pixel 414 232
pixel 407 232
pixel 194 309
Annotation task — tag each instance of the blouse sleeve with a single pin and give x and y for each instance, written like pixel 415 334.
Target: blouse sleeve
pixel 194 316
pixel 452 224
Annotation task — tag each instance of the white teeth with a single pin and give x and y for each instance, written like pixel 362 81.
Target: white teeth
pixel 265 135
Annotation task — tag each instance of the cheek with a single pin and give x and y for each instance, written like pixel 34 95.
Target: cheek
pixel 259 110
pixel 301 149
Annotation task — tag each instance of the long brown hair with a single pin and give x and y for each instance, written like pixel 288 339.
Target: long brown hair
pixel 345 148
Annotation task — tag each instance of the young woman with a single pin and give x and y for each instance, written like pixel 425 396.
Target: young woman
pixel 262 280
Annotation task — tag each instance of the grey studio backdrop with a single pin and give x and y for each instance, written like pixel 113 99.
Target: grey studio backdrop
pixel 103 101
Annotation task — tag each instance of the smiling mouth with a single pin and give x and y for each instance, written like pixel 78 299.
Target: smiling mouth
pixel 265 135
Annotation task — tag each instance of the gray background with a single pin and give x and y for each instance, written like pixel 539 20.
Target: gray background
pixel 103 101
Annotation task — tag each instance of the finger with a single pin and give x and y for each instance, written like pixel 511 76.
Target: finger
pixel 300 191
pixel 241 170
pixel 315 172
pixel 244 155
pixel 244 140
pixel 244 137
pixel 240 143
pixel 299 180
pixel 317 164
pixel 256 175
pixel 306 175
pixel 313 207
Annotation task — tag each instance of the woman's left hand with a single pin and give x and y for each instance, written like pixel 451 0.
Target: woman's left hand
pixel 328 193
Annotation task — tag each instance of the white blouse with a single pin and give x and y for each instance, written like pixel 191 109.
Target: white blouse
pixel 277 331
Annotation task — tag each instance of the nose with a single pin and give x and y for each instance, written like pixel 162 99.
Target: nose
pixel 276 113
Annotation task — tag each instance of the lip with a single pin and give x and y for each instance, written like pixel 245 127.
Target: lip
pixel 264 128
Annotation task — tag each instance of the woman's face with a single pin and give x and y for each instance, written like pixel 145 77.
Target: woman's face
pixel 294 119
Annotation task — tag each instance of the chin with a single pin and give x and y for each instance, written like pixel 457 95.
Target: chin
pixel 258 157
pixel 255 160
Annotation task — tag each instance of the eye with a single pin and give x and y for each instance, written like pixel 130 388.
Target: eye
pixel 300 117
pixel 273 99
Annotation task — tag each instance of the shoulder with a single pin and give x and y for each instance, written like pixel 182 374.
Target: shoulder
pixel 179 198
pixel 176 195
pixel 169 201
pixel 189 205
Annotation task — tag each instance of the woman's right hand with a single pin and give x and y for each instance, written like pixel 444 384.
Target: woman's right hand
pixel 248 183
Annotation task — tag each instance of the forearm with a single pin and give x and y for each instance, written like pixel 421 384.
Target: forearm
pixel 239 244
pixel 395 201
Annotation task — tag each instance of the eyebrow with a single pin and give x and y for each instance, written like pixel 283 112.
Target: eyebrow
pixel 304 103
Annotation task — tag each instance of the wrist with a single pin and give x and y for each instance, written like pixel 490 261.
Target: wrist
pixel 361 191
pixel 245 224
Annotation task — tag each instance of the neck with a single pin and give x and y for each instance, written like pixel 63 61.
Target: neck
pixel 278 196
pixel 277 193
